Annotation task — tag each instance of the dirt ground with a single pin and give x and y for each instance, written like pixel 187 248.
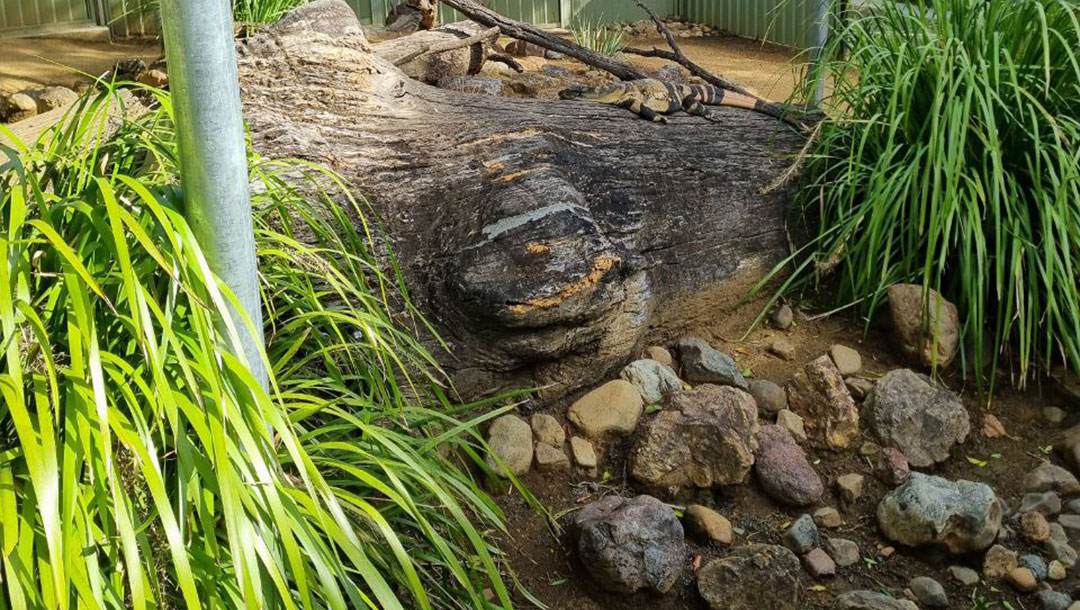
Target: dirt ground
pixel 546 563
pixel 33 63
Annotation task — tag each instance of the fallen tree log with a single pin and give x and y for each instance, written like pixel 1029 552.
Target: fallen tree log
pixel 412 54
pixel 546 241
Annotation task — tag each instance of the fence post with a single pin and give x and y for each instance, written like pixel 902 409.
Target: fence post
pixel 820 36
pixel 201 54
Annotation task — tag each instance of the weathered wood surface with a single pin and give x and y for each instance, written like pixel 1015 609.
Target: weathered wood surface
pixel 545 240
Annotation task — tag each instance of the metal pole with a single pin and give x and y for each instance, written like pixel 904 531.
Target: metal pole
pixel 817 58
pixel 205 89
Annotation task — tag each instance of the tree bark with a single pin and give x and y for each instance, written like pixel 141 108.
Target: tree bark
pixel 431 68
pixel 546 241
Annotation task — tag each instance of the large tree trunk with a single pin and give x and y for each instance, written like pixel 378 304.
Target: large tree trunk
pixel 545 240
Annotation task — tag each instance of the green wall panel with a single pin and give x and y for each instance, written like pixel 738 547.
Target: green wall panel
pixel 19 14
pixel 786 22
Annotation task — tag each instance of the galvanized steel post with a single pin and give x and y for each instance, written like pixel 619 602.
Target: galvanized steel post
pixel 205 88
pixel 820 38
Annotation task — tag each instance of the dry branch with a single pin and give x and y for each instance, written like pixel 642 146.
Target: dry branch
pixel 448 46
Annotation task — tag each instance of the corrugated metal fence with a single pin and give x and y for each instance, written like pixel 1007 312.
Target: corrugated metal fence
pixel 785 22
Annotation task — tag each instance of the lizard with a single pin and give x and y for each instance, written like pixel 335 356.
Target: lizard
pixel 652 99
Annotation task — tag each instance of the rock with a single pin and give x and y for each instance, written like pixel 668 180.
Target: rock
pixel 653 380
pixel 1048 477
pixel 992 427
pixel 706 437
pixel 850 487
pixel 736 582
pixel 659 354
pixel 1069 447
pixel 1070 522
pixel 1056 570
pixel 908 413
pixel 1053 600
pixel 510 437
pixel 583 452
pixel 869 449
pixel 1035 526
pixel 790 421
pixel 802 535
pixel 1022 579
pixel 703 364
pixel 783 317
pixel 965 576
pixel 1047 503
pixel 783 470
pixel 631 544
pixel 927 331
pixel 1057 546
pixel 51 98
pixel 546 429
pixel 1054 415
pixel 613 408
pixel 1074 606
pixel 708 523
pixel 962 516
pixel 818 394
pixel 818 563
pixel 551 459
pixel 1074 505
pixel 998 562
pixel 867 600
pixel 929 592
pixel 859 387
pixel 892 467
pixel 843 551
pixel 18 107
pixel 827 517
pixel 1036 564
pixel 847 360
pixel 769 396
pixel 159 79
pixel 783 348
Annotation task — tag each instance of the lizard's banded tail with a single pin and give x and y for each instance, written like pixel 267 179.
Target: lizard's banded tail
pixel 799 119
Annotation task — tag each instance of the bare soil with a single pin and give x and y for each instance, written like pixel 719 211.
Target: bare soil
pixel 546 564
pixel 33 63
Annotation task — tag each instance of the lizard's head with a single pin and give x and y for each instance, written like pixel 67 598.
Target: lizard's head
pixel 575 92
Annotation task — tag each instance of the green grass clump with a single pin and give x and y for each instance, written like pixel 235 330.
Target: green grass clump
pixel 597 37
pixel 952 159
pixel 141 465
pixel 262 12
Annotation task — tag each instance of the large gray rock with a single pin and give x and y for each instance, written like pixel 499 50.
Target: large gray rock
pixel 928 331
pixel 867 600
pixel 763 577
pixel 653 380
pixel 701 363
pixel 783 470
pixel 611 409
pixel 961 516
pixel 511 438
pixel 907 412
pixel 818 393
pixel 631 544
pixel 705 437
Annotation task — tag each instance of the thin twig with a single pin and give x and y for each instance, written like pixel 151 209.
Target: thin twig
pixel 448 46
pixel 680 58
pixel 792 172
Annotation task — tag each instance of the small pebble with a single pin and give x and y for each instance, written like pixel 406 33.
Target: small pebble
pixel 1054 415
pixel 859 387
pixel 843 551
pixel 802 535
pixel 847 360
pixel 998 562
pixel 964 576
pixel 769 396
pixel 827 517
pixel 583 452
pixel 1056 570
pixel 1036 564
pixel 790 421
pixel 850 487
pixel 929 592
pixel 709 523
pixel 783 317
pixel 659 354
pixel 1053 600
pixel 1074 505
pixel 869 449
pixel 783 348
pixel 1047 503
pixel 1022 579
pixel 1035 526
pixel 818 563
pixel 1069 522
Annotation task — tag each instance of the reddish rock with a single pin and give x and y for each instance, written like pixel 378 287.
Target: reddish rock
pixel 818 563
pixel 783 470
pixel 892 467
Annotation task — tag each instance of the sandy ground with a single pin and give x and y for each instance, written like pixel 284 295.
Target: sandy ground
pixel 32 63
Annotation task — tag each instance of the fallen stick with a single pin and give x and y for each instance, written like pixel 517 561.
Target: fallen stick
pixel 528 33
pixel 676 55
pixel 448 46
